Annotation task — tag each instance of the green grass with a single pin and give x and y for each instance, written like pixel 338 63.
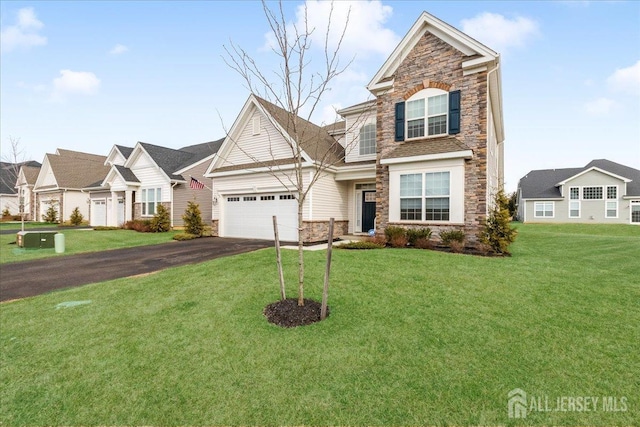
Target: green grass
pixel 17 225
pixel 414 337
pixel 78 241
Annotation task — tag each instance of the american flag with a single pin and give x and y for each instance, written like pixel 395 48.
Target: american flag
pixel 195 184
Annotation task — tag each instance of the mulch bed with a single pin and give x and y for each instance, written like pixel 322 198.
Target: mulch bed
pixel 287 314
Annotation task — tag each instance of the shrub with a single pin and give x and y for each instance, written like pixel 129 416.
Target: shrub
pixel 423 243
pixel 363 244
pixel 139 225
pixel 393 232
pixel 399 241
pixel 185 236
pixel 105 228
pixel 378 239
pixel 456 246
pixel 51 215
pixel 497 232
pixel 76 217
pixel 161 222
pixel 6 213
pixel 449 236
pixel 413 234
pixel 193 220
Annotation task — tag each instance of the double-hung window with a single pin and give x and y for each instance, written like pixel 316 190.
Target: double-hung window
pixel 574 202
pixel 150 198
pixel 367 139
pixel 543 209
pixel 427 116
pixel 425 196
pixel 612 202
pixel 635 212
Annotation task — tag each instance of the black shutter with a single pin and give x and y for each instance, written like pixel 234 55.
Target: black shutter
pixel 400 121
pixel 454 112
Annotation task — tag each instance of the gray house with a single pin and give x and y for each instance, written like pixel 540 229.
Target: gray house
pixel 602 192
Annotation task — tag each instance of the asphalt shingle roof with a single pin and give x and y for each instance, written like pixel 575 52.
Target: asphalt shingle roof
pixel 9 175
pixel 125 151
pixel 424 147
pixel 73 169
pixel 171 160
pixel 541 184
pixel 127 174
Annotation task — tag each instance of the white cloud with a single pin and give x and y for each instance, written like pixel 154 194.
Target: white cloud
pixel 329 114
pixel 500 33
pixel 118 49
pixel 599 107
pixel 74 83
pixel 626 79
pixel 365 33
pixel 24 33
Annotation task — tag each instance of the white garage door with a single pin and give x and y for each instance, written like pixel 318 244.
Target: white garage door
pixel 99 213
pixel 250 216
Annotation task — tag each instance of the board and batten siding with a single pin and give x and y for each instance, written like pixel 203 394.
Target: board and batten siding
pixel 183 194
pixel 267 145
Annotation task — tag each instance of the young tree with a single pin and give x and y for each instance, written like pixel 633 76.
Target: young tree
pixel 297 90
pixel 161 221
pixel 51 215
pixel 76 217
pixel 193 219
pixel 497 232
pixel 11 163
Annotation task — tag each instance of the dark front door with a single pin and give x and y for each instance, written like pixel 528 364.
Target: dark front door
pixel 368 210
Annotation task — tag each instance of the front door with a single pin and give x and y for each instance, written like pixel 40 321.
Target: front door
pixel 368 210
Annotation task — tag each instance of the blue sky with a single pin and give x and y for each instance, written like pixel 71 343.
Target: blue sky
pixel 87 75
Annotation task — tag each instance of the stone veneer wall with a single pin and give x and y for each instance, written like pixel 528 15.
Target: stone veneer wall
pixel 215 224
pixel 317 231
pixel 137 210
pixel 436 63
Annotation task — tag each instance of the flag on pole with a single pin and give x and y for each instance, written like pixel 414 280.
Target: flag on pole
pixel 195 184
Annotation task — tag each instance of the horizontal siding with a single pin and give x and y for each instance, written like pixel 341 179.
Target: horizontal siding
pixel 73 199
pixel 183 194
pixel 353 124
pixel 266 146
pixel 329 199
pixel 46 176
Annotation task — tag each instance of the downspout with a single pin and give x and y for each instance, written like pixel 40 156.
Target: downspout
pixel 489 105
pixel 172 187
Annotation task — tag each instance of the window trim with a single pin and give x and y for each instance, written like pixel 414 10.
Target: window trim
pixel 423 197
pixel 553 209
pixel 601 187
pixel 144 200
pixel 575 200
pixel 365 127
pixel 632 204
pixel 426 95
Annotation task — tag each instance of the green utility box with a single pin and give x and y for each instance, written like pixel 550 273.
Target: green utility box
pixel 36 239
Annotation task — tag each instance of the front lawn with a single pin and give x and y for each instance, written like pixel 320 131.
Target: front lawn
pixel 415 337
pixel 77 241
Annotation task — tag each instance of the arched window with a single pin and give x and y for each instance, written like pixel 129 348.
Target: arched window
pixel 368 139
pixel 427 113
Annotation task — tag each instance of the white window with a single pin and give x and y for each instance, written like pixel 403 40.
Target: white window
pixel 367 140
pixel 574 202
pixel 431 205
pixel 543 209
pixel 150 198
pixel 611 205
pixel 428 114
pixel 592 193
pixel 635 212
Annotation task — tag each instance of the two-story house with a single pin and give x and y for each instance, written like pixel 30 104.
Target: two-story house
pixel 601 192
pixel 427 151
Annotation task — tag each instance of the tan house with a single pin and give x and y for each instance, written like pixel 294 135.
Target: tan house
pixel 427 151
pixel 62 179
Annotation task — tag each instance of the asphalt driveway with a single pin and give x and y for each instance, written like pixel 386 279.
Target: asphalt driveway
pixel 30 278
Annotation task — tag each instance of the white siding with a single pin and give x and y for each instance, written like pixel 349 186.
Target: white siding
pixel 150 176
pixel 46 177
pixel 72 200
pixel 329 199
pixel 265 146
pixel 353 124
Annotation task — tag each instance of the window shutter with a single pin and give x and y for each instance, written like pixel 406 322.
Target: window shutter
pixel 454 112
pixel 400 121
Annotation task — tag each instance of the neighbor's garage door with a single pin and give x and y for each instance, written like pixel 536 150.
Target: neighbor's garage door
pixel 99 213
pixel 250 216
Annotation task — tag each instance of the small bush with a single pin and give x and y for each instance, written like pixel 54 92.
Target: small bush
pixel 392 232
pixel 139 225
pixel 413 234
pixel 51 215
pixel 399 241
pixel 76 217
pixel 105 228
pixel 423 243
pixel 5 212
pixel 449 236
pixel 497 232
pixel 161 222
pixel 193 220
pixel 456 246
pixel 363 244
pixel 378 239
pixel 185 236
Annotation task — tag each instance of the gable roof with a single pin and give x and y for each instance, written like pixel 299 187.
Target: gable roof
pixel 480 56
pixel 125 151
pixel 9 175
pixel 76 170
pixel 545 183
pixel 171 161
pixel 31 173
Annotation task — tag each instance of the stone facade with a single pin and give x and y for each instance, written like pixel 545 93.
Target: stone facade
pixel 137 210
pixel 317 231
pixel 215 226
pixel 435 63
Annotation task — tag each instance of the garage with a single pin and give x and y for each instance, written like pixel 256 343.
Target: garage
pixel 99 213
pixel 250 216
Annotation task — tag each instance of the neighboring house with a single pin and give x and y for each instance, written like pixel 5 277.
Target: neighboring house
pixel 601 192
pixel 61 181
pixel 426 152
pixel 9 192
pixel 26 181
pixel 146 175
